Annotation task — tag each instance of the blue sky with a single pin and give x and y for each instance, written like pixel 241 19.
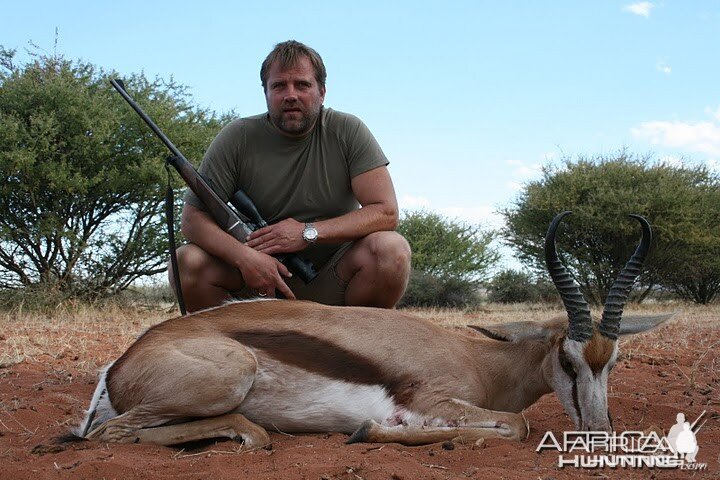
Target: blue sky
pixel 468 99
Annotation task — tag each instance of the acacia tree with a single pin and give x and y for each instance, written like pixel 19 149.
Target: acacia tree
pixel 82 176
pixel 681 203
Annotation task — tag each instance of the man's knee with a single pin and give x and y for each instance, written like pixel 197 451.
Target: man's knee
pixel 206 281
pixel 193 262
pixel 390 252
pixel 190 257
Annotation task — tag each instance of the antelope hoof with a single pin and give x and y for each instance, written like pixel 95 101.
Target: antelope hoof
pixel 253 440
pixel 517 429
pixel 362 434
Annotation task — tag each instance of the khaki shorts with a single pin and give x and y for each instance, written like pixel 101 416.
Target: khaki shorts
pixel 327 287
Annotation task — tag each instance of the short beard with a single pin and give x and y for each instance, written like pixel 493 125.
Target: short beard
pixel 295 128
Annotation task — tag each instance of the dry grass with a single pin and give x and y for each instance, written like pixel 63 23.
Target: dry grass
pixel 688 344
pixel 76 332
pixel 489 314
pixel 500 313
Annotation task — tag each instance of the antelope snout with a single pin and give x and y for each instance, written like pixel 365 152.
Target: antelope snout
pixel 601 424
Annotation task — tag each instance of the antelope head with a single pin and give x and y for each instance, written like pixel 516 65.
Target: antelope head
pixel 581 360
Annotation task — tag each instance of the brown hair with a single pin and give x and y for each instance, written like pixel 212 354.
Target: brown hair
pixel 288 53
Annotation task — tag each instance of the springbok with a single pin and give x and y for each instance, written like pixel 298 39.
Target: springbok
pixel 381 375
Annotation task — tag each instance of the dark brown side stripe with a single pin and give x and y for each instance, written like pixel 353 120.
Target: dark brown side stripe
pixel 324 358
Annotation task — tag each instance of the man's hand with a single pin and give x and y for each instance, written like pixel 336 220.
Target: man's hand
pixel 282 237
pixel 264 274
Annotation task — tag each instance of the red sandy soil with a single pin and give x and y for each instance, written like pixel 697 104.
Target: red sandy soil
pixel 673 369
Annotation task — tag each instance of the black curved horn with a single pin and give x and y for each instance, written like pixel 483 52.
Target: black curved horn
pixel 615 301
pixel 580 323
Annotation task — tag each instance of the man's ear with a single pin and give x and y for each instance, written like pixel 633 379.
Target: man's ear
pixel 632 324
pixel 514 331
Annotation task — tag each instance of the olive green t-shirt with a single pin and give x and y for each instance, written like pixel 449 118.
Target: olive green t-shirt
pixel 306 178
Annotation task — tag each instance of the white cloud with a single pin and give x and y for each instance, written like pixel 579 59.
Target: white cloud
pixel 483 215
pixel 514 185
pixel 713 113
pixel 529 170
pixel 524 170
pixel 663 67
pixel 410 202
pixel 639 8
pixel 703 137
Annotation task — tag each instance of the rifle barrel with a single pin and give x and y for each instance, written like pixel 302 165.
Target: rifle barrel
pixel 120 87
pixel 692 427
pixel 223 215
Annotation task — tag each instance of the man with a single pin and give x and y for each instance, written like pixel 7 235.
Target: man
pixel 306 168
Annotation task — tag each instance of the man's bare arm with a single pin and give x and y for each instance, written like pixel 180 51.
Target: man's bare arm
pixel 260 272
pixel 374 191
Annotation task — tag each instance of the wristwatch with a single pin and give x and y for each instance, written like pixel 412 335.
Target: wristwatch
pixel 310 234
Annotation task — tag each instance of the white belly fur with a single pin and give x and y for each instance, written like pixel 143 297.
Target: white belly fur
pixel 289 399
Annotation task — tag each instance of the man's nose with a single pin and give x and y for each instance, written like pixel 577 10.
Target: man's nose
pixel 290 94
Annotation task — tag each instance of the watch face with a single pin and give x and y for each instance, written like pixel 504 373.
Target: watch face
pixel 310 234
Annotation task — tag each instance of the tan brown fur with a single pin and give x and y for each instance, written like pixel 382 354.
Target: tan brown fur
pixel 422 381
pixel 598 351
pixel 401 370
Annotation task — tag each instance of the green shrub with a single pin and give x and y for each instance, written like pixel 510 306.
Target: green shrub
pixel 81 202
pixel 425 290
pixel 450 258
pixel 681 202
pixel 512 286
pixel 446 248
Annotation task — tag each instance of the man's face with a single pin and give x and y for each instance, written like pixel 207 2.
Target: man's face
pixel 294 97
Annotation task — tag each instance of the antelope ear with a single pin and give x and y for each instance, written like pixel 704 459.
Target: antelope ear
pixel 632 324
pixel 514 331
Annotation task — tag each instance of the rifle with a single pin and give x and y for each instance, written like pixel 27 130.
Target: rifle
pixel 239 221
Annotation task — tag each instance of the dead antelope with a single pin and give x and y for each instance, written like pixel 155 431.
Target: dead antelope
pixel 380 375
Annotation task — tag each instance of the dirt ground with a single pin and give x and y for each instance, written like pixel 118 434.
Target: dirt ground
pixel 48 373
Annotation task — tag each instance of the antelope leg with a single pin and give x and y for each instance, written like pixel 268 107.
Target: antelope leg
pixel 509 425
pixel 123 429
pixel 373 432
pixel 182 390
pixel 451 419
